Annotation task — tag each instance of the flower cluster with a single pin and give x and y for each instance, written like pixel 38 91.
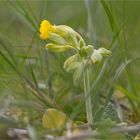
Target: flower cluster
pixel 62 38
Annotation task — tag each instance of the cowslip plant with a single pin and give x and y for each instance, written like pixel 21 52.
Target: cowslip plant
pixel 62 38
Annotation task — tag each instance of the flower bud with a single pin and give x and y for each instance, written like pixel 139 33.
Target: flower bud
pixel 81 43
pixel 85 51
pixel 104 52
pixel 57 47
pixel 89 48
pixel 96 57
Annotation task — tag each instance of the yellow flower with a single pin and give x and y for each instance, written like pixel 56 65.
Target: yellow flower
pixel 45 28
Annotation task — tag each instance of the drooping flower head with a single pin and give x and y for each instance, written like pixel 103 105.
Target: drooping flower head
pixel 45 28
pixel 61 38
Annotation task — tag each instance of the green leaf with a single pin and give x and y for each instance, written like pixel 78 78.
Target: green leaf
pixel 54 119
pixel 129 94
pixel 109 14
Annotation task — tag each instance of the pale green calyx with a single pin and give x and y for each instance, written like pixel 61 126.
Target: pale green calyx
pixel 71 63
pixel 57 39
pixel 57 48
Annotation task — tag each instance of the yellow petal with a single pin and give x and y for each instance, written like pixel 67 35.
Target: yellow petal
pixel 45 28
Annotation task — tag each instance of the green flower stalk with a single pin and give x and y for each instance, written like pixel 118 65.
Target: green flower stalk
pixel 62 38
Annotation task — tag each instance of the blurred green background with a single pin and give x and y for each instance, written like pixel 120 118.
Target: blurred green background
pixel 26 67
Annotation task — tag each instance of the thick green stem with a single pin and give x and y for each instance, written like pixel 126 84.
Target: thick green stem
pixel 88 98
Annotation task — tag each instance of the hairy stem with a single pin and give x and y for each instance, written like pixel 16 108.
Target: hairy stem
pixel 88 98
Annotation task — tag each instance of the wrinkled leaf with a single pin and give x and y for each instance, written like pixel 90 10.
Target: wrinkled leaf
pixel 54 119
